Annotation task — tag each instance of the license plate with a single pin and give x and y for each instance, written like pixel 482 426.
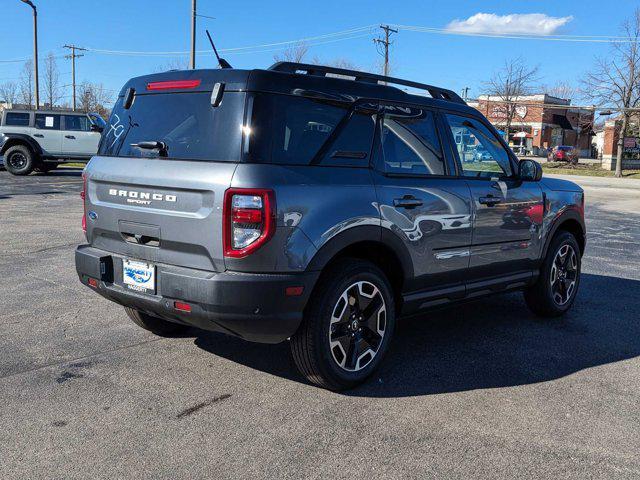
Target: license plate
pixel 139 276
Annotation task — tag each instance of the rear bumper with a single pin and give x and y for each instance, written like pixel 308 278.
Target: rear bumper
pixel 251 306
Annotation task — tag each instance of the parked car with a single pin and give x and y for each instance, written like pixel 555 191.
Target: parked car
pixel 290 204
pixel 480 155
pixel 40 140
pixel 564 153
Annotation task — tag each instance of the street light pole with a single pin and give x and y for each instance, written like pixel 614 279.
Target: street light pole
pixel 35 49
pixel 192 64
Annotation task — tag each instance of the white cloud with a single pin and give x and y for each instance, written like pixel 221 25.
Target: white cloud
pixel 516 23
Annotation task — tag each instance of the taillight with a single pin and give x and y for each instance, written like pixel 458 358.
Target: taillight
pixel 83 196
pixel 249 220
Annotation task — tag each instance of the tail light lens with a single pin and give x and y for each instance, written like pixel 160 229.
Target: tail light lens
pixel 83 195
pixel 249 220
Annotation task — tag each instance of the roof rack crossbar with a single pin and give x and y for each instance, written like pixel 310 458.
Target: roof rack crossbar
pixel 322 70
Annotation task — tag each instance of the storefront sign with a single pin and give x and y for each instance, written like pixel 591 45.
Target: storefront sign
pixel 631 145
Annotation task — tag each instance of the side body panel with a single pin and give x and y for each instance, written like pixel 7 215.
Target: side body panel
pixel 315 205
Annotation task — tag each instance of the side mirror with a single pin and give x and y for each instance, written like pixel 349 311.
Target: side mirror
pixel 95 128
pixel 529 170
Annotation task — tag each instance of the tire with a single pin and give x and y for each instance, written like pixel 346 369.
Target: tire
pixel 154 324
pixel 19 160
pixel 334 348
pixel 549 297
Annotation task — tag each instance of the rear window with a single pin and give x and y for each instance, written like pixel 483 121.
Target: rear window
pixel 187 123
pixel 291 130
pixel 16 119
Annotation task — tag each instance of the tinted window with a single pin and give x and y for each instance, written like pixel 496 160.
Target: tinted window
pixel 480 152
pixel 76 123
pixel 410 142
pixel 353 144
pixel 191 128
pixel 47 122
pixel 290 129
pixel 16 119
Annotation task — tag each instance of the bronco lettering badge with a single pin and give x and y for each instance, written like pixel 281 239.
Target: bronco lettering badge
pixel 141 198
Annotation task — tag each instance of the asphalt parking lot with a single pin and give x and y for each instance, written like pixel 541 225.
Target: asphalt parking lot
pixel 484 390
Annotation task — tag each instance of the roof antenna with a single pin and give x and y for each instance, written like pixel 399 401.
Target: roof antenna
pixel 221 61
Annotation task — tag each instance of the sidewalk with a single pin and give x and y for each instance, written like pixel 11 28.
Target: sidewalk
pixel 600 182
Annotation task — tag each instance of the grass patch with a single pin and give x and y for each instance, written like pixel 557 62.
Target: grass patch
pixel 587 169
pixel 72 165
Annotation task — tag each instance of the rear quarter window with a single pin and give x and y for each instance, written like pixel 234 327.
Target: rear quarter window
pixel 291 130
pixel 16 119
pixel 187 123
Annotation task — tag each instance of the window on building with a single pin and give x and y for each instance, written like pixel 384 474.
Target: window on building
pixel 410 143
pixel 17 119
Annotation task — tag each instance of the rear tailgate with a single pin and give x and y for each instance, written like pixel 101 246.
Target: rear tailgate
pixel 159 210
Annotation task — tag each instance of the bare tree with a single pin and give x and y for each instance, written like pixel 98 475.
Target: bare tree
pixel 295 53
pixel 562 89
pixel 509 84
pixel 93 97
pixel 614 81
pixel 26 85
pixel 52 90
pixel 9 92
pixel 180 63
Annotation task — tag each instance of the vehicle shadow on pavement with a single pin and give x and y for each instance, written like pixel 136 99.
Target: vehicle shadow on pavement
pixel 490 343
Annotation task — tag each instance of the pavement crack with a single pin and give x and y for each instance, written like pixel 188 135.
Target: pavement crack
pixel 73 361
pixel 191 410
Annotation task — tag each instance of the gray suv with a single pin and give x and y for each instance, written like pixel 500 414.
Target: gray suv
pixel 40 140
pixel 315 205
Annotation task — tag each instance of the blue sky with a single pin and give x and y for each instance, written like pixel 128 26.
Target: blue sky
pixel 164 25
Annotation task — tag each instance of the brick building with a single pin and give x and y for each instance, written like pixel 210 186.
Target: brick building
pixel 541 122
pixel 631 144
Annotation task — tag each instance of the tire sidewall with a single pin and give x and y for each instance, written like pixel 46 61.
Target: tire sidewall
pixel 328 301
pixel 22 150
pixel 562 239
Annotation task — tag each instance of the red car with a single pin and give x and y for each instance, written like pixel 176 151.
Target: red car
pixel 563 153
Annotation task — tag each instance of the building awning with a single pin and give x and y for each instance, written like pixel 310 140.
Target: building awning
pixel 562 122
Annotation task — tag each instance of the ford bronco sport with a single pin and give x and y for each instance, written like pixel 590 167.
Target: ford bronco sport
pixel 40 140
pixel 315 205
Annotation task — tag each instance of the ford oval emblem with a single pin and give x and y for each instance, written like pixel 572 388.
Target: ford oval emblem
pixel 93 216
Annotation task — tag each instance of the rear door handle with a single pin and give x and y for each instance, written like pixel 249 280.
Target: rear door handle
pixel 490 200
pixel 39 135
pixel 70 137
pixel 407 202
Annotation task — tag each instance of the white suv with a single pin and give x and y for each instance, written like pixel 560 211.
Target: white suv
pixel 40 140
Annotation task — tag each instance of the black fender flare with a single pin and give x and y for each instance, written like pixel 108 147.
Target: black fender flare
pixel 569 214
pixel 365 233
pixel 17 138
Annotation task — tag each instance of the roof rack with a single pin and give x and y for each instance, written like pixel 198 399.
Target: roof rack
pixel 322 70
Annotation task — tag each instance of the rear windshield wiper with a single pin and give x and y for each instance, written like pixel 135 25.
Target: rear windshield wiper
pixel 163 149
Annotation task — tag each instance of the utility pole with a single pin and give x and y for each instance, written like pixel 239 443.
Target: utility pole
pixel 387 33
pixel 35 49
pixel 192 64
pixel 73 57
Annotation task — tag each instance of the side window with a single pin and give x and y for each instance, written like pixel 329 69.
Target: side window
pixel 17 119
pixel 480 152
pixel 410 142
pixel 76 123
pixel 47 122
pixel 353 144
pixel 290 129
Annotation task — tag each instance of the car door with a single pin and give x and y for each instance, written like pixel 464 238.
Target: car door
pixel 421 203
pixel 78 139
pixel 507 212
pixel 47 133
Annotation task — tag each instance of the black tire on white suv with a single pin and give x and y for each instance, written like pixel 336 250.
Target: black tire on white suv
pixel 19 160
